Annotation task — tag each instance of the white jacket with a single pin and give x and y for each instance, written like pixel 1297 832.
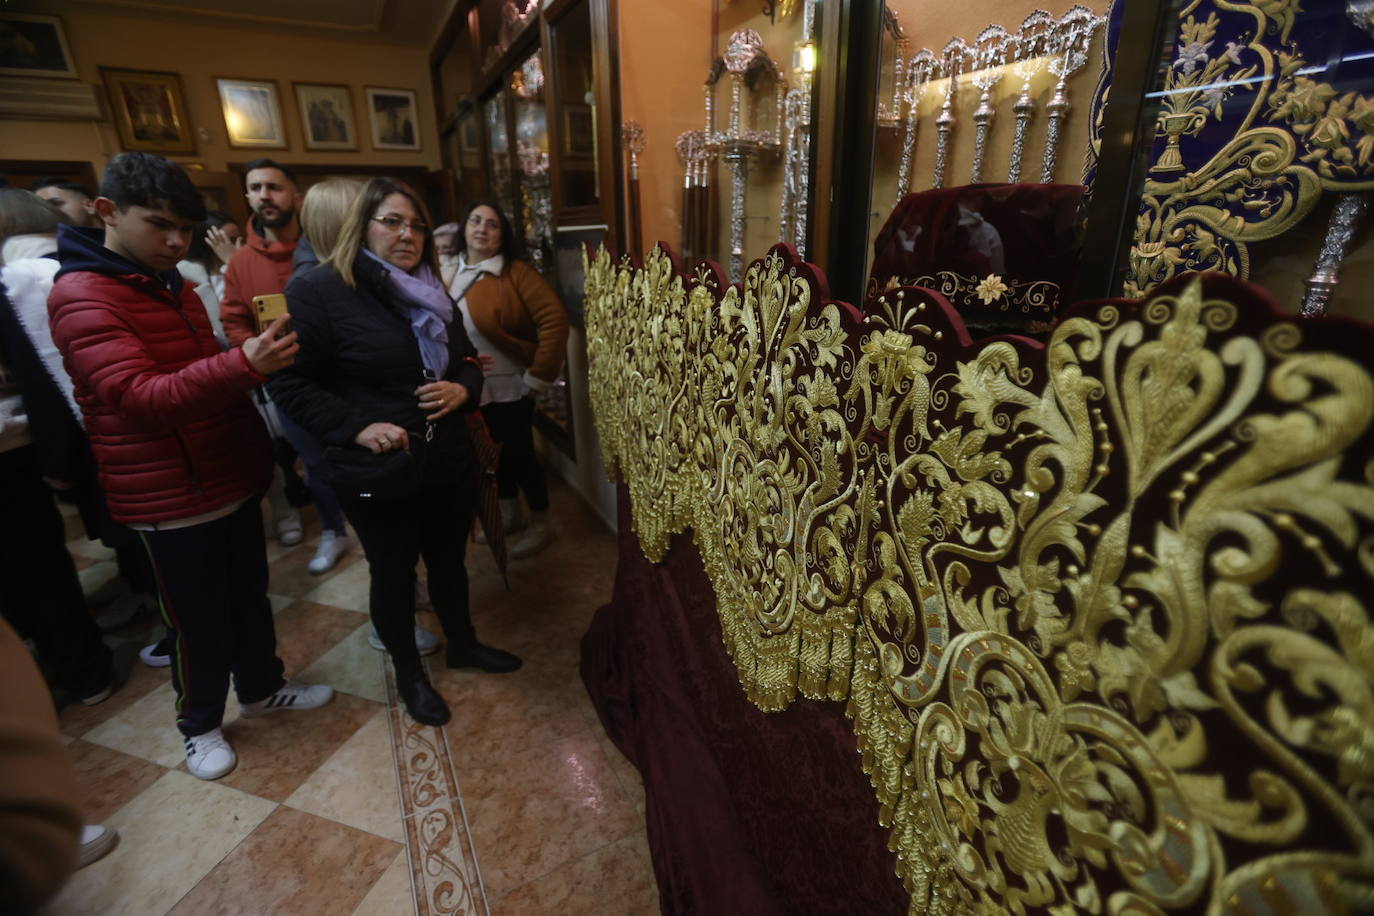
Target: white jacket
pixel 28 276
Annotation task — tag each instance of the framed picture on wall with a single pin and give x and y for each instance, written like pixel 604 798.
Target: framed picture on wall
pixel 252 113
pixel 394 118
pixel 579 130
pixel 326 116
pixel 34 46
pixel 149 110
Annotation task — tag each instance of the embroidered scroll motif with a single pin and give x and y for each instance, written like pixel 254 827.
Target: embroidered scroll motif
pixel 1099 609
pixel 1260 114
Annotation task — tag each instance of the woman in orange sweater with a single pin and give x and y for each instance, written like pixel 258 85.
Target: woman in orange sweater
pixel 520 327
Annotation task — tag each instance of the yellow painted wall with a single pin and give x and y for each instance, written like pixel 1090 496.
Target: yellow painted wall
pixel 199 53
pixel 665 52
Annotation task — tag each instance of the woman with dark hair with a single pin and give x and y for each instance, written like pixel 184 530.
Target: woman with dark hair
pixel 383 374
pixel 214 243
pixel 520 327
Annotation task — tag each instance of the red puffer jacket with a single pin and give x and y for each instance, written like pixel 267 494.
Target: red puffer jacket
pixel 168 414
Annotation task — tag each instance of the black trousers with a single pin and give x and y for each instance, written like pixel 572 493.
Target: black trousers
pixel 395 534
pixel 212 581
pixel 40 594
pixel 512 424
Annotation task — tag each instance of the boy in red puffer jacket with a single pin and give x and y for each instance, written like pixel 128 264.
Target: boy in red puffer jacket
pixel 182 454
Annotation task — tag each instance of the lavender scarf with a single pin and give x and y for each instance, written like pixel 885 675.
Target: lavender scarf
pixel 430 308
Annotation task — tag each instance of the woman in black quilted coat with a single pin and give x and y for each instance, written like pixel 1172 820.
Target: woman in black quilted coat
pixel 382 379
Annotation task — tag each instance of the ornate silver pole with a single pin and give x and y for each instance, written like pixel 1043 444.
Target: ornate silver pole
pixel 989 53
pixel 1074 34
pixel 952 60
pixel 919 72
pixel 1058 109
pixel 1346 217
pixel 739 171
pixel 1029 41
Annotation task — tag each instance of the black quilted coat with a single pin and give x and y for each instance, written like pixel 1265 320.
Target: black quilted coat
pixel 359 363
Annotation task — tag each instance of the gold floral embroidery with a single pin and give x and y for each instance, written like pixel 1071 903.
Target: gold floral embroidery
pixel 991 288
pixel 1098 612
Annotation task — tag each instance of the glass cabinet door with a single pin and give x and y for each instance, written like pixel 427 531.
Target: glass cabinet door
pixel 574 82
pixel 498 153
pixel 532 153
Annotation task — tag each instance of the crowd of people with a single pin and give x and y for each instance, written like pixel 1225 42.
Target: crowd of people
pixel 140 382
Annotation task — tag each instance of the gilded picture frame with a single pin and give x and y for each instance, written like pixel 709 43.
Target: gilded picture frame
pixel 149 111
pixel 252 113
pixel 326 114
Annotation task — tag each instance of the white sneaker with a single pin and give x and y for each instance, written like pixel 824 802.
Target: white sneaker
pixel 96 841
pixel 156 655
pixel 513 519
pixel 291 695
pixel 534 538
pixel 289 528
pixel 209 756
pixel 332 546
pixel 426 643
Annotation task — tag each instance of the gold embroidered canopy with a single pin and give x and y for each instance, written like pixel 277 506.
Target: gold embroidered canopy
pixel 1098 608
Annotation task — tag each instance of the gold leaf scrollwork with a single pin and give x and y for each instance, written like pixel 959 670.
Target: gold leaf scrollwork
pixel 1098 609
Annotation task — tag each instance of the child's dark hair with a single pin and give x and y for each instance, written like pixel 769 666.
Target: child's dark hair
pixel 61 184
pixel 149 180
pixel 265 163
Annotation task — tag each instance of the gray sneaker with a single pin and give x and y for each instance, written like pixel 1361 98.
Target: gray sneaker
pixel 426 643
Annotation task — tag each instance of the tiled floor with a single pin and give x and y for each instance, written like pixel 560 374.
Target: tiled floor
pixel 519 806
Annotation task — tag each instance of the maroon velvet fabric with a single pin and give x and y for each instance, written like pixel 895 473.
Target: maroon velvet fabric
pixel 748 812
pixel 1026 234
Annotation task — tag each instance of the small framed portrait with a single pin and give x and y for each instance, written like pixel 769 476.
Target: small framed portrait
pixel 252 113
pixel 471 135
pixel 34 46
pixel 326 116
pixel 579 130
pixel 149 110
pixel 394 118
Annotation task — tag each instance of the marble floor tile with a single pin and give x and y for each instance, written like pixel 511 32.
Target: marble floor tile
pixel 170 837
pixel 77 719
pixel 392 894
pixel 499 716
pixel 97 576
pixel 106 779
pixel 631 782
pixel 94 551
pixel 352 666
pixel 289 575
pixel 347 589
pixel 306 631
pixel 292 863
pixel 147 728
pixel 279 752
pixel 356 785
pixel 533 812
pixel 616 880
pixel 280 602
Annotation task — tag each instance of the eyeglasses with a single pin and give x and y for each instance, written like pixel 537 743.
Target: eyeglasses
pixel 475 221
pixel 395 224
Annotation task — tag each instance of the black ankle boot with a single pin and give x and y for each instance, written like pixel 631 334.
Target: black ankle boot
pixel 422 701
pixel 476 655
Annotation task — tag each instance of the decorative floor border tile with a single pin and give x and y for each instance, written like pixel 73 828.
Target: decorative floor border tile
pixel 444 874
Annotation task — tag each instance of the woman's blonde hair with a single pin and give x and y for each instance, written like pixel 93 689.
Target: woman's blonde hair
pixel 353 235
pixel 323 212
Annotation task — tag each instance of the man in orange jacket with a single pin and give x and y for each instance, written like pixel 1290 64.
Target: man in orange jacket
pixel 262 266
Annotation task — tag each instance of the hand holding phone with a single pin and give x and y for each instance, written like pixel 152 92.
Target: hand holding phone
pixel 268 309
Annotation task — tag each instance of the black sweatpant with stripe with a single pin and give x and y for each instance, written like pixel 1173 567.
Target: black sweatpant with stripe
pixel 212 581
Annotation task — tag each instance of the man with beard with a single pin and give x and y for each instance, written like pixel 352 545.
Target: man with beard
pixel 263 264
pixel 261 267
